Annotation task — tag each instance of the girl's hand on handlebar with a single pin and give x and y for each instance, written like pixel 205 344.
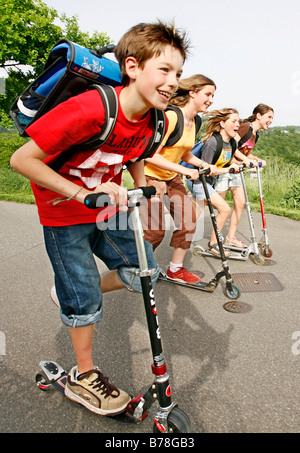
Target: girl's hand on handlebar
pixel 213 169
pixel 161 188
pixel 263 162
pixel 205 165
pixel 247 162
pixel 193 174
pixel 235 168
pixel 253 163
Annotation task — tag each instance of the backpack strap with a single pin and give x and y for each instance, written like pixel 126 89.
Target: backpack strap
pixel 198 123
pixel 159 130
pixel 111 106
pixel 178 130
pixel 246 136
pixel 219 148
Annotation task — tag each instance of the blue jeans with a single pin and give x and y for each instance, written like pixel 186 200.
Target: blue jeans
pixel 197 190
pixel 71 250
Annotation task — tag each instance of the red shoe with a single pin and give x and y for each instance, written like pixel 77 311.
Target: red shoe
pixel 182 275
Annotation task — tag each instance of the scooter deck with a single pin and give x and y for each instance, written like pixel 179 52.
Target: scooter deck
pixel 234 255
pixel 53 375
pixel 202 286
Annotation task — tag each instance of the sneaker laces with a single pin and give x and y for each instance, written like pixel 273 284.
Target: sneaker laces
pixel 100 383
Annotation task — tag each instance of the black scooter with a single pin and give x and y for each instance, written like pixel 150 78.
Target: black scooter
pixel 231 291
pixel 169 418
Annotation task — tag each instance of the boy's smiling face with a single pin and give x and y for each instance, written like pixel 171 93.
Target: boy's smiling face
pixel 157 79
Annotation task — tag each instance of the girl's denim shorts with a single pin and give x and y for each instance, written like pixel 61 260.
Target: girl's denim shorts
pixel 197 189
pixel 71 250
pixel 226 181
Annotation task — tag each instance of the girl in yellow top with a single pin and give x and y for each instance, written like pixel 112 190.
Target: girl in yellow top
pixel 194 95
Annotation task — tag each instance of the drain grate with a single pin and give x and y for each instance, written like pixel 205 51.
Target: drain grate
pixel 257 282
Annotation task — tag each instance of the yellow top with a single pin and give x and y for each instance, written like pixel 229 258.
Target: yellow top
pixel 174 153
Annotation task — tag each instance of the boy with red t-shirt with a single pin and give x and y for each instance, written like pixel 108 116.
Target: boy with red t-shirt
pixel 151 58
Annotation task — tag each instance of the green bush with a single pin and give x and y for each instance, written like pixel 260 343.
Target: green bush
pixel 292 197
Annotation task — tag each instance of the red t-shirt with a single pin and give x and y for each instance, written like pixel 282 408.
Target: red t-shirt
pixel 75 121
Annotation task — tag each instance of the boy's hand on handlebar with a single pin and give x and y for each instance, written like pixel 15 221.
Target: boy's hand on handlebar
pixel 116 193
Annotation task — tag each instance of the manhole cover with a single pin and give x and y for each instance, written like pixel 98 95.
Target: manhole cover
pixel 258 282
pixel 237 307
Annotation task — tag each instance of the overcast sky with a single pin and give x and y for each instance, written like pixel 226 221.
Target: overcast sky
pixel 251 49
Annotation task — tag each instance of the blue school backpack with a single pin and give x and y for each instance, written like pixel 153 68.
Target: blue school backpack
pixel 197 150
pixel 70 70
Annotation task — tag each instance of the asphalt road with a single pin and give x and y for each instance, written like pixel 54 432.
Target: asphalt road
pixel 230 372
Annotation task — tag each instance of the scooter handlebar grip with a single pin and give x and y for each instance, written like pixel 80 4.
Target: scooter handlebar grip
pixel 97 200
pixel 148 191
pixel 102 200
pixel 205 171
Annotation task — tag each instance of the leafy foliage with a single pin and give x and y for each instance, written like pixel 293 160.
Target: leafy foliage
pixel 292 197
pixel 284 143
pixel 28 31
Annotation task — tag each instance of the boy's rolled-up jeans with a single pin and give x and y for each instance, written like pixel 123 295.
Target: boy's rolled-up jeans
pixel 71 250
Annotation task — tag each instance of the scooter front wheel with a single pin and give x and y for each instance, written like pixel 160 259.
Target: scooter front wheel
pixel 232 294
pixel 267 252
pixel 178 422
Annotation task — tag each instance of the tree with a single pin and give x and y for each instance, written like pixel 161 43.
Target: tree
pixel 28 31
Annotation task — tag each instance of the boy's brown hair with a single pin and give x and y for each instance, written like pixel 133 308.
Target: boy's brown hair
pixel 143 41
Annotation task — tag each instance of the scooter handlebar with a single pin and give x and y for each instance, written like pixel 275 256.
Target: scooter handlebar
pixel 102 200
pixel 202 171
pixel 205 171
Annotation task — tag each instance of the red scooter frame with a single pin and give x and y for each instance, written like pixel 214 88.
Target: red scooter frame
pixel 264 245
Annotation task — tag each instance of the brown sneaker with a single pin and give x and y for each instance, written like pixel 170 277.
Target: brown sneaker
pixel 93 391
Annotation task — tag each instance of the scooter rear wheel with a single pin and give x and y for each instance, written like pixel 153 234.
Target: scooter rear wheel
pixel 198 250
pixel 267 252
pixel 259 260
pixel 178 422
pixel 42 382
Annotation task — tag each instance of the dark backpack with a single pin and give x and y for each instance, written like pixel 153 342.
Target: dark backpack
pixel 70 70
pixel 178 131
pixel 197 150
